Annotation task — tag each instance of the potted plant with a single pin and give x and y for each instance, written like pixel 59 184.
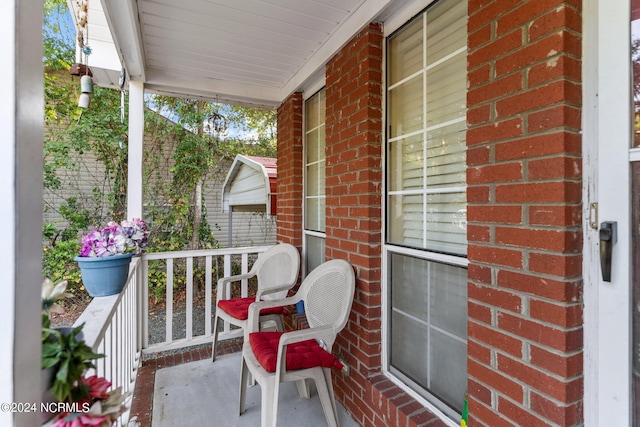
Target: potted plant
pixel 105 255
pixel 65 359
pixel 92 404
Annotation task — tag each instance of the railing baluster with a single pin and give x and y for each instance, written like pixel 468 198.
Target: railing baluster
pixel 143 315
pixel 169 303
pixel 189 303
pixel 245 269
pixel 207 296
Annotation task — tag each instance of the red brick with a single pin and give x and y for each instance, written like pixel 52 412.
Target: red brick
pixel 565 415
pixel 562 390
pixel 495 214
pixel 561 116
pixel 556 67
pixel 496 131
pixel 544 192
pixel 495 380
pixel 479 351
pixel 556 167
pixel 495 297
pixel 495 339
pixel 524 13
pixel 478 233
pixel 557 265
pixel 562 315
pixel 495 256
pixel 552 240
pixel 560 17
pixel 495 173
pixel 557 363
pixel 479 274
pixel 539 145
pixel 545 287
pixel 552 215
pixel 495 89
pixel 483 415
pixel 518 414
pixel 562 340
pixel 539 97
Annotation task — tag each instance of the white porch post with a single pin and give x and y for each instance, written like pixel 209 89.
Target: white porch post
pixel 21 133
pixel 136 142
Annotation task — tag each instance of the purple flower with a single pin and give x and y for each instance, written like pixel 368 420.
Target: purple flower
pixel 116 239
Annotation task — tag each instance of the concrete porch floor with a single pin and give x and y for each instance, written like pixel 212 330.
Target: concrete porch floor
pixel 187 389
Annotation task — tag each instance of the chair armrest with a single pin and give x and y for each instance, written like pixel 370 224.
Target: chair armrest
pixel 230 279
pixel 273 290
pixel 253 321
pixel 298 336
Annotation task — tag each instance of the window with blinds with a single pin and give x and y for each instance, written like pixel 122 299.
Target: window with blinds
pixel 314 181
pixel 426 223
pixel 426 131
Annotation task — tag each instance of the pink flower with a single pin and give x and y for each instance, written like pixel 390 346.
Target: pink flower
pixel 98 386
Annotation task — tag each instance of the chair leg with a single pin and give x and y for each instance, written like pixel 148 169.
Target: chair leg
pixel 327 398
pixel 303 388
pixel 244 378
pixel 269 410
pixel 279 323
pixel 214 347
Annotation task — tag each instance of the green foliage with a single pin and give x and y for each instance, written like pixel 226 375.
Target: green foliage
pixel 70 356
pixel 188 146
pixel 58 263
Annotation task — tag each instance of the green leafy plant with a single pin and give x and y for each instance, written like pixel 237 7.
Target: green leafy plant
pixel 70 356
pixel 62 349
pixel 58 263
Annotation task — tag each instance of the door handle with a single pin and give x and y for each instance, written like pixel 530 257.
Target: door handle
pixel 608 238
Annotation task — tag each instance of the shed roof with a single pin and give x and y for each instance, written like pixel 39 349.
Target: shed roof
pixel 251 184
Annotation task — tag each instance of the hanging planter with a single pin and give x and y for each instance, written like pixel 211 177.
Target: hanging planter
pixel 104 276
pixel 105 256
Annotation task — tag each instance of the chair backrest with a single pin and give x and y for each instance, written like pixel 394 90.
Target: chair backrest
pixel 328 293
pixel 276 267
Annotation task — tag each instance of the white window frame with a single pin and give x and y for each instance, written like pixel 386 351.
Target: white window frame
pixel 313 90
pixel 391 25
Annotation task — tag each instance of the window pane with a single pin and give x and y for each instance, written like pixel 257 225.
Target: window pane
pixel 439 94
pixel 315 213
pixel 314 248
pixel 312 146
pixel 406 220
pixel 446 156
pixel 428 331
pixel 407 159
pixel 311 113
pixel 406 52
pixel 314 185
pixel 446 29
pixel 447 100
pixel 406 108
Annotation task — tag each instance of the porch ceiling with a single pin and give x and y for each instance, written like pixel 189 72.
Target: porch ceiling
pixel 251 52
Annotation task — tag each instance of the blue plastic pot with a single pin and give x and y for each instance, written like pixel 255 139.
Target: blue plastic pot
pixel 104 276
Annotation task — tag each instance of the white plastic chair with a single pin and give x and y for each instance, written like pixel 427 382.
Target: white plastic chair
pixel 276 270
pixel 327 293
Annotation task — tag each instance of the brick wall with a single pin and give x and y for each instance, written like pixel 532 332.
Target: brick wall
pixel 290 163
pixel 354 187
pixel 524 213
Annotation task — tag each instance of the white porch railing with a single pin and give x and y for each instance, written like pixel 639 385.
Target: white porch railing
pixel 217 263
pixel 111 327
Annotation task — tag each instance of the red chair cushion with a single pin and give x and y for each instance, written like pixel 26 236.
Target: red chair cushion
pixel 300 355
pixel 239 307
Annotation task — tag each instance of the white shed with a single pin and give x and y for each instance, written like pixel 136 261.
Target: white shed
pixel 250 186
